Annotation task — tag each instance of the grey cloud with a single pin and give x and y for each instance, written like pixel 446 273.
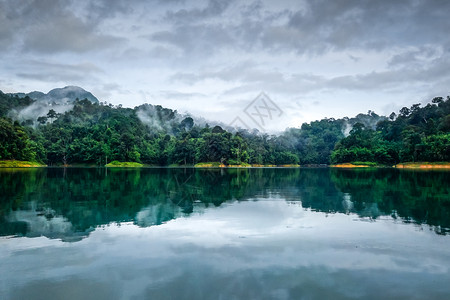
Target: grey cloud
pixel 416 57
pixel 320 27
pixel 354 58
pixel 430 77
pixel 179 95
pixel 213 8
pixel 313 27
pixel 171 1
pixel 9 24
pixel 66 34
pixel 157 55
pixel 249 77
pixel 200 38
pixel 162 52
pixel 370 24
pixel 111 87
pixel 197 40
pixel 110 8
pixel 252 10
pixel 232 73
pixel 298 84
pixel 103 92
pixel 50 26
pixel 56 72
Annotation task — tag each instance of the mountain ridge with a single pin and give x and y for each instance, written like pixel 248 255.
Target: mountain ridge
pixel 66 94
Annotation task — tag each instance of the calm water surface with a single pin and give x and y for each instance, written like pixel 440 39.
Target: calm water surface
pixel 224 234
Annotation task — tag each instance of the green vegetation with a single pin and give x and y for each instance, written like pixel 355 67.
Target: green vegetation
pixel 125 164
pixel 364 163
pixel 424 165
pixel 356 164
pixel 416 134
pixel 19 164
pixel 241 165
pixel 209 165
pixel 15 143
pixel 96 133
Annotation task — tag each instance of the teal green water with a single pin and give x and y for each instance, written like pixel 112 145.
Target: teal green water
pixel 224 234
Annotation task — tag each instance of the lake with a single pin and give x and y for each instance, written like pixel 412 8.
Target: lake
pixel 263 233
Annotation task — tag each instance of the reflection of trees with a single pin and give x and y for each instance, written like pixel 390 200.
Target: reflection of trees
pixel 87 198
pixel 415 196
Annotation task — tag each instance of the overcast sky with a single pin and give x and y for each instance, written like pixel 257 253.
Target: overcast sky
pixel 314 59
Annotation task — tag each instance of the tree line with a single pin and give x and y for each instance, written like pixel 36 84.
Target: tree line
pixel 98 133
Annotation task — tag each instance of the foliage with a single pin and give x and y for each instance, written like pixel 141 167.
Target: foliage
pixel 209 165
pixel 8 102
pixel 364 163
pixel 18 164
pixel 98 133
pixel 15 143
pixel 127 164
pixel 416 134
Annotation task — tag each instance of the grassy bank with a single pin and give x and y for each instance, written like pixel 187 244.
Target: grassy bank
pixel 289 166
pixel 19 164
pixel 210 165
pixel 424 165
pixel 241 165
pixel 356 164
pixel 124 164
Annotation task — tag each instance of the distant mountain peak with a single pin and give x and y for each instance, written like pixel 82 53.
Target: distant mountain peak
pixel 61 95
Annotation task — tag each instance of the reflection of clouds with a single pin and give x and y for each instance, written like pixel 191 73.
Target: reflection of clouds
pixel 347 203
pixel 250 218
pixel 45 223
pixel 253 249
pixel 157 214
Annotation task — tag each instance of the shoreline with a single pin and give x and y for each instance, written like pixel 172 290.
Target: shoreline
pixel 20 164
pixel 407 165
pixel 423 165
pixel 349 165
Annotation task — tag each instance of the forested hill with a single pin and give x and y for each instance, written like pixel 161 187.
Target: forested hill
pixel 94 133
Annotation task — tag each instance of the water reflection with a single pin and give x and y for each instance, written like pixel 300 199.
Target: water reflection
pixel 264 249
pixel 69 203
pixel 224 234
